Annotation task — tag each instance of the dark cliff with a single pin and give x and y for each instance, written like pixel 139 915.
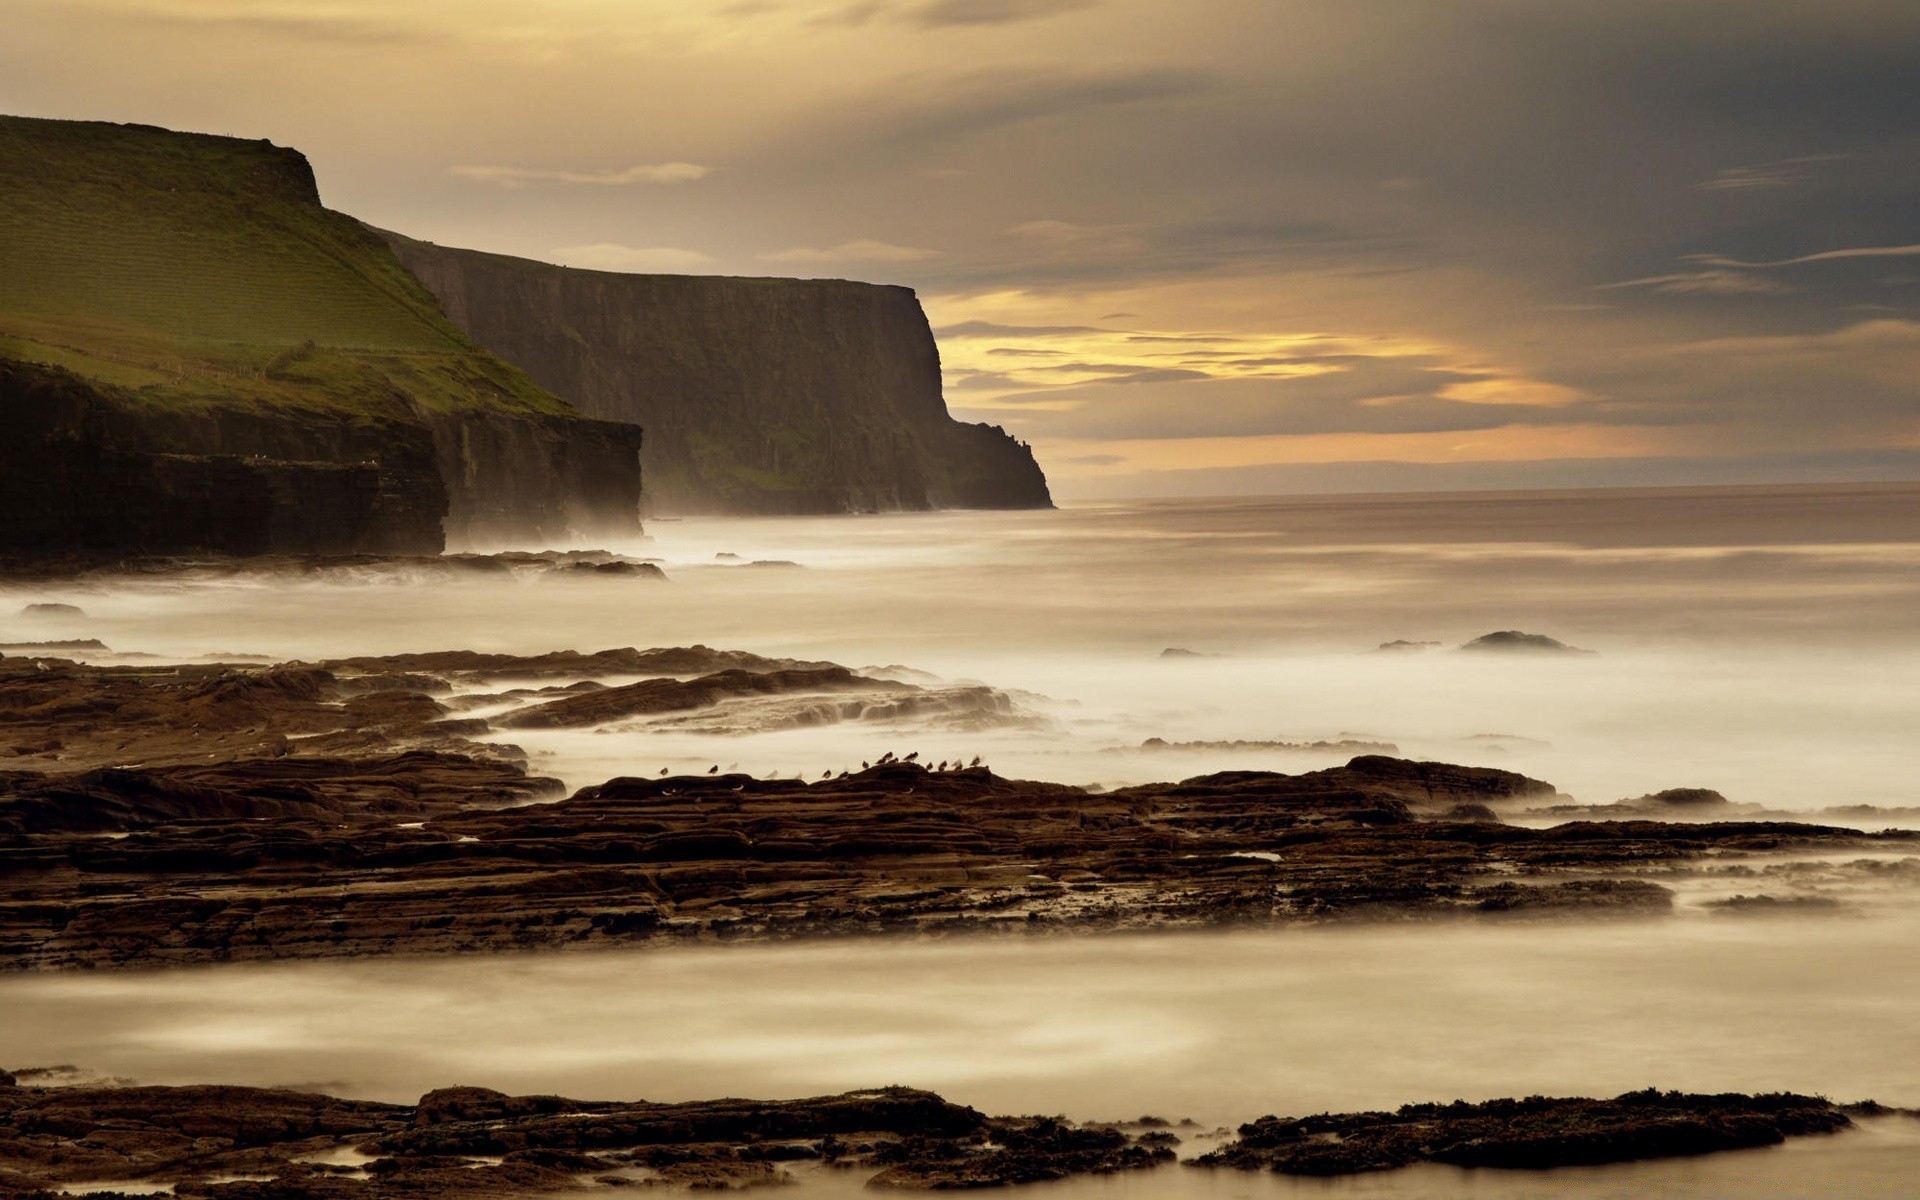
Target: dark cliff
pixel 196 355
pixel 757 395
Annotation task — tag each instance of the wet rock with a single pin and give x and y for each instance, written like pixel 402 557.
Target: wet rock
pixel 1018 1151
pixel 1534 1133
pixel 1242 746
pixel 672 695
pixel 474 1142
pixel 425 853
pixel 1513 641
pixel 160 815
pixel 1676 803
pixel 1777 906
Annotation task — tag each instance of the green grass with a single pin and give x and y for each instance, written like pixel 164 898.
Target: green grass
pixel 199 270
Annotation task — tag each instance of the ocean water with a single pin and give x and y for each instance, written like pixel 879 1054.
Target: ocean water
pixel 1762 642
pixel 1216 1028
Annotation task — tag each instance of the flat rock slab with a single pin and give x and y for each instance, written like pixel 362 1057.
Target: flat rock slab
pixel 1533 1133
pixel 239 1143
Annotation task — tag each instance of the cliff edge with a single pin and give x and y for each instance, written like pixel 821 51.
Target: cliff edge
pixel 757 395
pixel 196 355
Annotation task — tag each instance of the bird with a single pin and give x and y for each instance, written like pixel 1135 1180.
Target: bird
pixel 865 765
pixel 827 774
pixel 663 771
pixel 714 769
pixel 975 762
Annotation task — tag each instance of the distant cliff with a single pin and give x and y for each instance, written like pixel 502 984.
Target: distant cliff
pixel 196 355
pixel 757 395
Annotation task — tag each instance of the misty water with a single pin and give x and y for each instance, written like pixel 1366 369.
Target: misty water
pixel 1761 642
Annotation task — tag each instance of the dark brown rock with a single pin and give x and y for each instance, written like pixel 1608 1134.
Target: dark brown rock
pixel 1534 1133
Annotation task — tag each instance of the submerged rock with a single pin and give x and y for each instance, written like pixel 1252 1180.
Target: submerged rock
pixel 46 610
pixel 1402 646
pixel 1514 641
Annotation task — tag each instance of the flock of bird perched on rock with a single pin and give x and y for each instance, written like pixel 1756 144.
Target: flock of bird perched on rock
pixel 954 764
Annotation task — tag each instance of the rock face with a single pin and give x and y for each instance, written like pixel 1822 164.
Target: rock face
pixel 196 355
pixel 85 472
pixel 757 395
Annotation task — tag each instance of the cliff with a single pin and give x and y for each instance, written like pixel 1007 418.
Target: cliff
pixel 196 355
pixel 757 395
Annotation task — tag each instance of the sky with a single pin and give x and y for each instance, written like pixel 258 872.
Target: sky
pixel 1195 248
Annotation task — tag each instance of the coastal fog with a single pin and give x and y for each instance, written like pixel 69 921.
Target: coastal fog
pixel 1759 642
pixel 1219 1028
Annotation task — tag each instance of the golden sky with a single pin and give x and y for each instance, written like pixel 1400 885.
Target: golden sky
pixel 1223 245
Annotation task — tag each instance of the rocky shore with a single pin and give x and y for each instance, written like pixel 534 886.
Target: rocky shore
pixel 244 1143
pixel 154 815
pixel 240 1143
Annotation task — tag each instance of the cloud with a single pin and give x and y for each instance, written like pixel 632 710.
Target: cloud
pixel 291 21
pixel 861 250
pixel 1377 396
pixel 519 177
pixel 1716 260
pixel 1380 475
pixel 918 112
pixel 1065 237
pixel 1766 177
pixel 1710 283
pixel 938 14
pixel 993 329
pixel 612 256
pixel 949 14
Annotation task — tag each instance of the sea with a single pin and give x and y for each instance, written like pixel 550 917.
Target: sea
pixel 1762 642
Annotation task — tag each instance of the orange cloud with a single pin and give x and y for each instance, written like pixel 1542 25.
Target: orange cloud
pixel 1077 459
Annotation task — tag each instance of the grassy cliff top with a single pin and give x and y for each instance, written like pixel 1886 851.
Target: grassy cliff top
pixel 191 269
pixel 804 288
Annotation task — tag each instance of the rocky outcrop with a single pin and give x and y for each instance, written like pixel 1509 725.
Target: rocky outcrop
pixel 1512 641
pixel 470 1143
pixel 757 395
pixel 187 814
pixel 1534 1133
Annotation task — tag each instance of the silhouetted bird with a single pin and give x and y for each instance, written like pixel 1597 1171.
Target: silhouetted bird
pixel 914 757
pixel 663 770
pixel 714 769
pixel 975 762
pixel 827 774
pixel 865 765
